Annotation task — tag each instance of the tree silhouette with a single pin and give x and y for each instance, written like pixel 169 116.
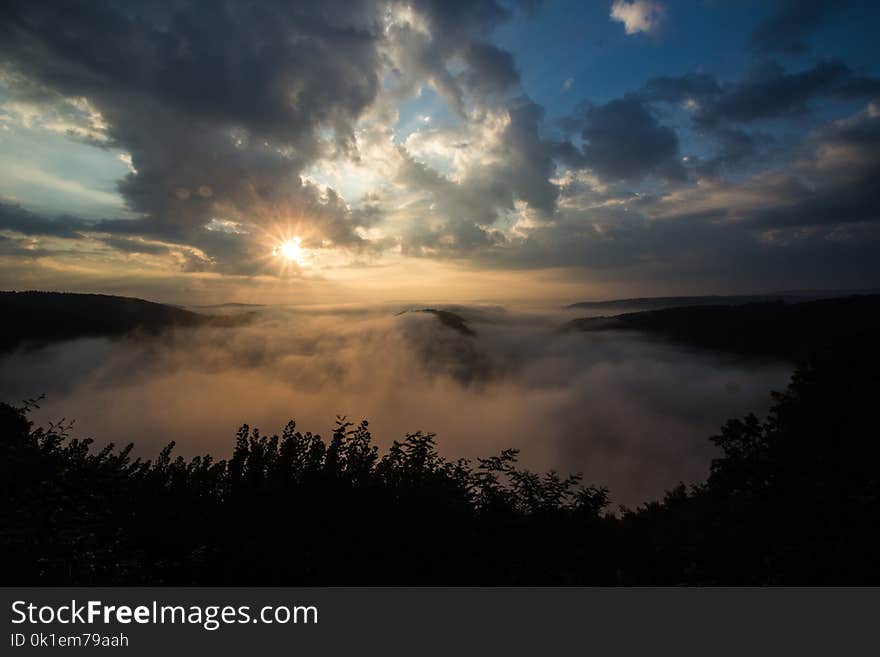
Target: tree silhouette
pixel 791 499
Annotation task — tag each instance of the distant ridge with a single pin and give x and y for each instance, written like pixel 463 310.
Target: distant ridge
pixel 231 304
pixel 791 331
pixel 38 318
pixel 656 303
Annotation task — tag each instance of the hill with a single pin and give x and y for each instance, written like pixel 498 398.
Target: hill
pixel 38 318
pixel 788 330
pixel 657 303
pixel 447 318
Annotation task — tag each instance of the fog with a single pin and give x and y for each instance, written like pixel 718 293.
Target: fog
pixel 629 413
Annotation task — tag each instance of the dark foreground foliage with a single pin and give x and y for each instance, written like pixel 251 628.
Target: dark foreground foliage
pixel 791 500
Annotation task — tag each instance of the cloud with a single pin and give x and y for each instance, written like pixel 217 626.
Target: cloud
pixel 242 99
pixel 810 220
pixel 824 201
pixel 734 149
pixel 15 218
pixel 786 29
pixel 423 39
pixel 232 98
pixel 766 91
pixel 135 245
pixel 638 15
pixel 676 89
pixel 284 118
pixel 725 111
pixel 507 161
pixel 490 69
pixel 624 141
pixel 838 170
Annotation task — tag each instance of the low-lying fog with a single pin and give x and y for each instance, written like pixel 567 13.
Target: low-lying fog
pixel 629 413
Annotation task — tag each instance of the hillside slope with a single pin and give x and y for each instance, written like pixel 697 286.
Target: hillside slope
pixel 790 331
pixel 37 318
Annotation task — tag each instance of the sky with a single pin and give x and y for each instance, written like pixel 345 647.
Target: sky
pixel 370 150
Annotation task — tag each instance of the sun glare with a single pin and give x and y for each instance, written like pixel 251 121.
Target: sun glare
pixel 293 251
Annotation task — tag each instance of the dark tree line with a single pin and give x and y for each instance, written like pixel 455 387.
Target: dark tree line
pixel 792 499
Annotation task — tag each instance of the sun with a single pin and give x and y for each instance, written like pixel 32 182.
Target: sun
pixel 292 250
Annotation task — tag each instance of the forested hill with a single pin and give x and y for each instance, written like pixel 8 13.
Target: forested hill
pixel 656 303
pixel 37 318
pixel 787 330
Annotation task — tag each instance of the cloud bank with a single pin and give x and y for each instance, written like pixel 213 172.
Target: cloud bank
pixel 628 413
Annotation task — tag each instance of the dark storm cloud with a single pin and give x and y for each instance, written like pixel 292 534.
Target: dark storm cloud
pixel 786 29
pixel 236 63
pixel 674 89
pixel 614 238
pixel 15 218
pixel 829 187
pixel 673 252
pixel 462 20
pixel 625 141
pixel 19 220
pixel 766 91
pixel 123 236
pixel 721 111
pixel 734 149
pixel 815 220
pixel 221 105
pixel 805 221
pixel 490 69
pixel 527 157
pixel 840 173
pixel 458 18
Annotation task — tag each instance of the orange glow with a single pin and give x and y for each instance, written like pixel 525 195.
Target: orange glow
pixel 293 251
